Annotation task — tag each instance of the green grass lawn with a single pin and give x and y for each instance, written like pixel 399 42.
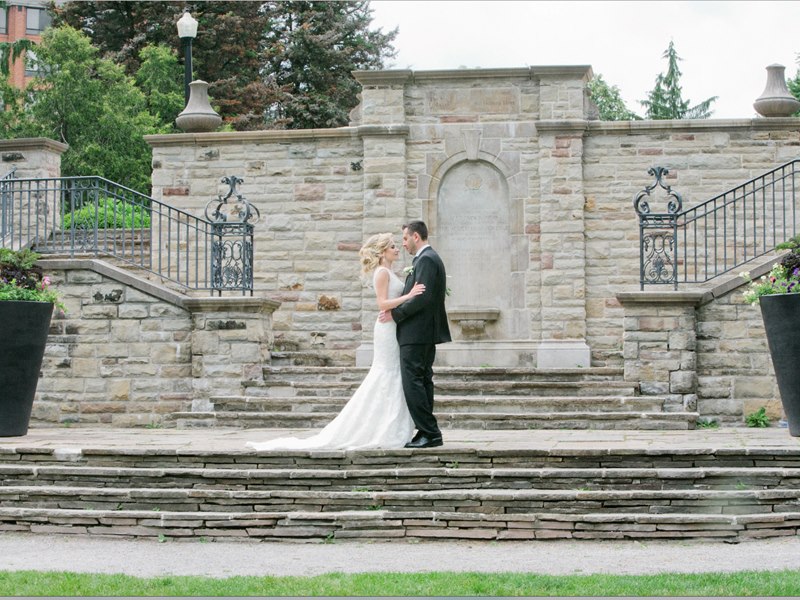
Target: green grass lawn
pixel 750 583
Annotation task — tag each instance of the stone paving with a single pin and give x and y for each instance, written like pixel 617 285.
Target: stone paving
pixel 219 439
pixel 732 483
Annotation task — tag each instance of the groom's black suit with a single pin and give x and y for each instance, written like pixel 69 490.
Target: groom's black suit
pixel 421 324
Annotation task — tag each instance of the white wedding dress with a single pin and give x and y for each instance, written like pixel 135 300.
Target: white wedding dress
pixel 376 416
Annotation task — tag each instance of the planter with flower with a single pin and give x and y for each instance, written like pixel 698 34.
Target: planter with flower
pixel 778 294
pixel 26 307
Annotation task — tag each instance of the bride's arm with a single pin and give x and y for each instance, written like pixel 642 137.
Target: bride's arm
pixel 382 292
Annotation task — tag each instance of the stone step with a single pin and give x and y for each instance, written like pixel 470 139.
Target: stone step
pixel 452 420
pixel 589 457
pixel 287 386
pixel 409 525
pixel 370 478
pixel 475 501
pixel 350 373
pixel 457 404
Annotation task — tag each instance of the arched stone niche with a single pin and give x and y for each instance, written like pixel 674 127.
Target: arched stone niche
pixel 473 237
pixel 473 204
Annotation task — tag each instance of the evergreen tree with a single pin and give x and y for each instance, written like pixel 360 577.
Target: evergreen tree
pixel 312 47
pixel 665 100
pixel 269 64
pixel 609 102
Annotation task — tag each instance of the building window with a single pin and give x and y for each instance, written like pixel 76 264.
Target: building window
pixel 3 20
pixel 31 64
pixel 36 21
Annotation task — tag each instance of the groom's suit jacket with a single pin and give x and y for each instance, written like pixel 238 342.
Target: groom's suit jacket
pixel 423 319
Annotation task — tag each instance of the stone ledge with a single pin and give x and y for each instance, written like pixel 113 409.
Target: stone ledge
pixel 668 297
pixel 192 304
pixel 33 144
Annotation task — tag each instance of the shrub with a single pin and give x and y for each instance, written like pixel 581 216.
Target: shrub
pixel 108 214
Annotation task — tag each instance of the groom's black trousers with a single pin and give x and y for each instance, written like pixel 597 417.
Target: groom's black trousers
pixel 416 368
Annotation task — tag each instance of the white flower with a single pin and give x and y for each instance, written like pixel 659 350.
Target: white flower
pixel 408 271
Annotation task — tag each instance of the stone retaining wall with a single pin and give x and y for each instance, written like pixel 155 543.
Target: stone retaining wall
pixel 571 238
pixel 128 352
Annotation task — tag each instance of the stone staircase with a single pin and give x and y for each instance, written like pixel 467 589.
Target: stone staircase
pixel 457 493
pixel 466 398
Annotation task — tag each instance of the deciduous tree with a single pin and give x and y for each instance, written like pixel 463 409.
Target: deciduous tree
pixel 269 64
pixel 92 105
pixel 609 102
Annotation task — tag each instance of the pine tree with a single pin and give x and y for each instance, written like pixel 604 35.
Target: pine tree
pixel 665 100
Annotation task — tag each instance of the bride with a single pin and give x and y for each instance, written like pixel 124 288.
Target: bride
pixel 376 416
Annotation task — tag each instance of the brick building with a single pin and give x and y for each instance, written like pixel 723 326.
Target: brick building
pixel 23 19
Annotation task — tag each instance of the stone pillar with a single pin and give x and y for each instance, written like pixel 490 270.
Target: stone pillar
pixel 33 157
pixel 659 345
pixel 231 340
pixel 383 132
pixel 562 112
pixel 562 242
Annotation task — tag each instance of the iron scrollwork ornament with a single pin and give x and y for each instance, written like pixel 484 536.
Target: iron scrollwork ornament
pixel 674 200
pixel 658 233
pixel 232 218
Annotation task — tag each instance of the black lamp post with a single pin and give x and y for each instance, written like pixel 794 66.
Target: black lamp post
pixel 187 31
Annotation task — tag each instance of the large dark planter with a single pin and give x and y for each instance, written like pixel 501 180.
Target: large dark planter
pixel 25 326
pixel 781 314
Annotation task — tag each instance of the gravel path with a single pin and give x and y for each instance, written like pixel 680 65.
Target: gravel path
pixel 149 558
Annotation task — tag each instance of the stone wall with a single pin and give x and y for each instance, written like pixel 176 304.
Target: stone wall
pixel 543 289
pixel 566 185
pixel 128 352
pixel 706 351
pixel 309 188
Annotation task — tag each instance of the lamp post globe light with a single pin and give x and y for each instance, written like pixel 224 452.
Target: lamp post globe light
pixel 187 31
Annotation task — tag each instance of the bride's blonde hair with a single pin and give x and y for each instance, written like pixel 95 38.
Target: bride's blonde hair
pixel 373 249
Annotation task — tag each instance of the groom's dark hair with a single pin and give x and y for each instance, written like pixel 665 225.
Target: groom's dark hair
pixel 417 227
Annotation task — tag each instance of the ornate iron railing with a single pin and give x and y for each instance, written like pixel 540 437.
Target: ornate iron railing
pixel 722 234
pixel 91 215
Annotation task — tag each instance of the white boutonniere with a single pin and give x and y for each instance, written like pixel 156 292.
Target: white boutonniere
pixel 408 271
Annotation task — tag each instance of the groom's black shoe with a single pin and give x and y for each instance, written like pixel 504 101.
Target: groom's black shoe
pixel 423 441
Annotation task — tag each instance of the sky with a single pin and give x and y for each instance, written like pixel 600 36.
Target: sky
pixel 725 46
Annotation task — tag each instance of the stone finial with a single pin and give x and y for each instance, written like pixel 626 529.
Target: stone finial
pixel 198 116
pixel 776 100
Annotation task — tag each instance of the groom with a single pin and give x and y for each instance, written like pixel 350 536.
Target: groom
pixel 421 324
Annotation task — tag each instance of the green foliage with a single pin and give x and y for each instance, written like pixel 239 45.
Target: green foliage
pixel 312 47
pixel 794 88
pixel 707 424
pixel 268 64
pixel 160 78
pixel 665 100
pixel 784 583
pixel 22 279
pixel 108 214
pixel 90 104
pixel 11 51
pixel 609 102
pixel 758 418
